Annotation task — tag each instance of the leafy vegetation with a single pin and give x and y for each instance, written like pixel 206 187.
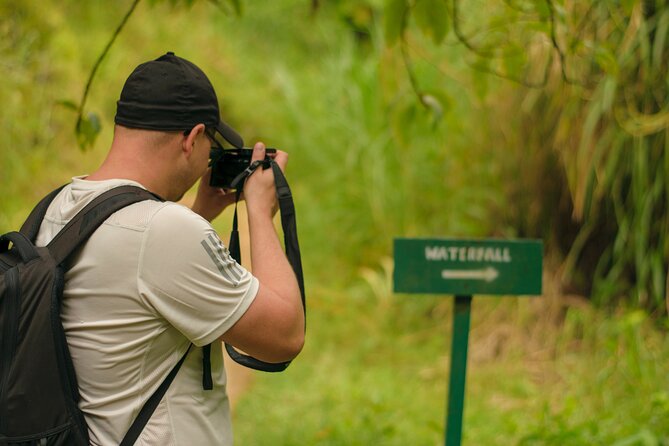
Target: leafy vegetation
pixel 598 125
pixel 585 124
pixel 395 126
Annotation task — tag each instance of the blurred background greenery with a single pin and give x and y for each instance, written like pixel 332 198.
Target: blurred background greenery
pixel 510 118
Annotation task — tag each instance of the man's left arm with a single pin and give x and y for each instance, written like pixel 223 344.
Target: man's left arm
pixel 211 201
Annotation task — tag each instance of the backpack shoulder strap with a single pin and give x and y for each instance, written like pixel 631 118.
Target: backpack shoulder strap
pixel 31 226
pixel 151 404
pixel 82 225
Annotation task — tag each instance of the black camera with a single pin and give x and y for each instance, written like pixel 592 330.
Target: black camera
pixel 226 164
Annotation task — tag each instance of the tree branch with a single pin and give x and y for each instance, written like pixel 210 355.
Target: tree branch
pixel 556 45
pixel 517 8
pixel 462 38
pixel 407 62
pixel 412 76
pixel 80 110
pixel 524 82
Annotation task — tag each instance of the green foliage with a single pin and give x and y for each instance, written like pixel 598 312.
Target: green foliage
pixel 432 18
pixel 395 20
pixel 369 162
pixel 87 129
pixel 602 111
pixel 608 127
pixel 627 364
pixel 27 122
pixel 227 6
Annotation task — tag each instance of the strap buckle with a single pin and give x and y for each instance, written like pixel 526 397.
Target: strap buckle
pixel 245 174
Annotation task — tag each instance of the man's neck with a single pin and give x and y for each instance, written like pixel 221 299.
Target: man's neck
pixel 121 168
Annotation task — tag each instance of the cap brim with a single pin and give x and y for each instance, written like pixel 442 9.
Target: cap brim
pixel 229 134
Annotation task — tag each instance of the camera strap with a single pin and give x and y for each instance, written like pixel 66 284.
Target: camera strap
pixel 288 224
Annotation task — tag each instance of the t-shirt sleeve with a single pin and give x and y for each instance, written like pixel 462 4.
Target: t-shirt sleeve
pixel 187 275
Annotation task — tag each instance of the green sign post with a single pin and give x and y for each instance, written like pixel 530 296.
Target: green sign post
pixel 464 268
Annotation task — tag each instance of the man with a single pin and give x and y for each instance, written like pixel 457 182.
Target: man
pixel 155 277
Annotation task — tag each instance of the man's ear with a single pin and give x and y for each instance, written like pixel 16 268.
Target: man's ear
pixel 188 142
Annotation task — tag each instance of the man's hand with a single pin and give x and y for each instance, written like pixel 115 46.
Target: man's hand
pixel 259 188
pixel 210 201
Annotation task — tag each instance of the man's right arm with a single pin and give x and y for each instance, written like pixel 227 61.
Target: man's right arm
pixel 272 328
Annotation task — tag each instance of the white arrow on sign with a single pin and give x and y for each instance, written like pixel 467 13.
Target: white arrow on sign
pixel 489 274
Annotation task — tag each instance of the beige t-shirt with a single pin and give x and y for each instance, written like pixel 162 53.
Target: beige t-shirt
pixel 152 279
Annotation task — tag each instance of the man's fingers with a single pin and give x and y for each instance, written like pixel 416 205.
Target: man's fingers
pixel 281 159
pixel 258 152
pixel 280 156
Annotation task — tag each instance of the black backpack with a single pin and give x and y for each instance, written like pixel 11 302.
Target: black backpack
pixel 38 385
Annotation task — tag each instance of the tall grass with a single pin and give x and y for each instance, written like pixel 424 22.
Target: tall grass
pixel 539 373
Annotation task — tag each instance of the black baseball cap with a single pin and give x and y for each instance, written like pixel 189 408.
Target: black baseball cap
pixel 171 93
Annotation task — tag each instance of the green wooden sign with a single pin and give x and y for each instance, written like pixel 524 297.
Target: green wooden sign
pixel 467 267
pixel 464 268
